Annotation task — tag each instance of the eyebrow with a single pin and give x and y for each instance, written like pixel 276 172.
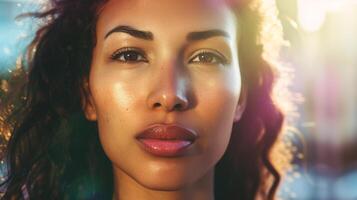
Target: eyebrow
pixel 202 35
pixel 146 35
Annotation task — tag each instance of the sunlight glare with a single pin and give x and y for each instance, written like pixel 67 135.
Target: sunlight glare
pixel 311 14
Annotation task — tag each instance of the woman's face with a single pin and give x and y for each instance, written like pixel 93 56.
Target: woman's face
pixel 164 63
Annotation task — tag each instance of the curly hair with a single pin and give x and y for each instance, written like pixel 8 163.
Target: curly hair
pixel 53 152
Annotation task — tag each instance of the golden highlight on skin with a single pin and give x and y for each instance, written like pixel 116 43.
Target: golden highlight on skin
pixel 154 69
pixel 183 70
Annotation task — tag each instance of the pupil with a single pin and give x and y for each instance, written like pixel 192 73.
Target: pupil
pixel 206 58
pixel 131 56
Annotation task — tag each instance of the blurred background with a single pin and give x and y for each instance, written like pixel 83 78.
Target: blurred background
pixel 323 55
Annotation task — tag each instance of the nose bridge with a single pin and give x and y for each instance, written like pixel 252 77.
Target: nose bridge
pixel 170 78
pixel 170 90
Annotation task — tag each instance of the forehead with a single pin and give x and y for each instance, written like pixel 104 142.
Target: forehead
pixel 167 15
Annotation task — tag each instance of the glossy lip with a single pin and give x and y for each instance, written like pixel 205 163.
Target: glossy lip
pixel 166 140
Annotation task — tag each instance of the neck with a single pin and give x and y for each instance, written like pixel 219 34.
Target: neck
pixel 126 188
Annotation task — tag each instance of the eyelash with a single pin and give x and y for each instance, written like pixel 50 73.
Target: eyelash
pixel 216 56
pixel 220 59
pixel 118 55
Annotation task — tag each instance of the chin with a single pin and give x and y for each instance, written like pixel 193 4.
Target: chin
pixel 164 185
pixel 165 181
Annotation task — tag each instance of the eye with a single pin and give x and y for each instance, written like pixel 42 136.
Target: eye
pixel 208 57
pixel 129 55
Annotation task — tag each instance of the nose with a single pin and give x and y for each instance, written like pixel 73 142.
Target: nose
pixel 170 90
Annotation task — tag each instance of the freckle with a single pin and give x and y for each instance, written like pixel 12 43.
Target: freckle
pixel 127 109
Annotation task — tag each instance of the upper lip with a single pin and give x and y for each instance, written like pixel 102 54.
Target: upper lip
pixel 167 132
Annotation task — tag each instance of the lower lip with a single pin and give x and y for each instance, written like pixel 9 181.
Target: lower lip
pixel 165 148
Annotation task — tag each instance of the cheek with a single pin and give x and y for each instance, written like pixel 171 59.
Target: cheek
pixel 116 104
pixel 112 101
pixel 117 95
pixel 217 101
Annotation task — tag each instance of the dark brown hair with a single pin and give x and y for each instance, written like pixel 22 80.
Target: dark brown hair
pixel 54 152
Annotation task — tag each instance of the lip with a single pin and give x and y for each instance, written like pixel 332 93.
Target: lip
pixel 166 140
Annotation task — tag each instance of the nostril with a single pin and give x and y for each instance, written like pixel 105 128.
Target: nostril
pixel 178 107
pixel 157 105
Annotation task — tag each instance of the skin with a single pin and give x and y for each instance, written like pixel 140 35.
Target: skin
pixel 164 82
